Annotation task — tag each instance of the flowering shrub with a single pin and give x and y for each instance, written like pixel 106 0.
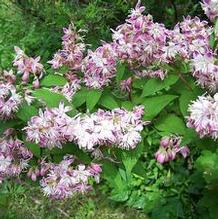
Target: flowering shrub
pixel 122 113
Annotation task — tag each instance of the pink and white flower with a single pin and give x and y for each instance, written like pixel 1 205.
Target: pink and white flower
pixel 210 8
pixel 28 66
pixel 99 67
pixel 204 116
pixel 47 129
pixel 14 156
pixel 63 181
pixel 170 146
pixel 71 54
pixel 10 101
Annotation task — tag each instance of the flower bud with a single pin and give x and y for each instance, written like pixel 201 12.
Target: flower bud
pixel 25 77
pixel 161 156
pixel 36 83
pixel 165 141
pixel 184 151
pixel 33 177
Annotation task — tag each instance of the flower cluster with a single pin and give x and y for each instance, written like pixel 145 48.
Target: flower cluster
pixel 144 45
pixel 40 170
pixel 152 73
pixel 53 127
pixel 169 147
pixel 71 54
pixel 63 180
pixel 50 127
pixel 188 38
pixel 99 67
pixel 204 116
pixel 205 70
pixel 210 8
pixel 9 101
pixel 117 127
pixel 27 66
pixel 139 41
pixel 14 156
pixel 8 77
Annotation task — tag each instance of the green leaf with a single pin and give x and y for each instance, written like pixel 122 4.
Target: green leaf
pixel 121 67
pixel 52 99
pixel 216 27
pixel 34 148
pixel 63 69
pixel 53 80
pixel 139 83
pixel 70 148
pixel 80 97
pixel 108 101
pixel 127 105
pixel 185 68
pixel 209 201
pixel 212 40
pixel 184 101
pixel 153 85
pixel 8 124
pixel 26 112
pixel 171 124
pixel 111 174
pixel 154 105
pixel 92 98
pixel 207 164
pixel 120 196
pixel 130 158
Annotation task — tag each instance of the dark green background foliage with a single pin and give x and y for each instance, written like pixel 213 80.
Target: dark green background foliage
pixel 36 25
pixel 181 189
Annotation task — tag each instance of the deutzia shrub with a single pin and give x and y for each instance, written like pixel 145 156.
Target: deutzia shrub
pixel 133 112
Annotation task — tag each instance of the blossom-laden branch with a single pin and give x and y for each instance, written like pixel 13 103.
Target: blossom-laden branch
pixel 53 127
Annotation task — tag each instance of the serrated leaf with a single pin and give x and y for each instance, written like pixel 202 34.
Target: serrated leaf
pixel 127 105
pixel 92 98
pixel 53 80
pixel 108 101
pixel 34 148
pixel 121 67
pixel 171 124
pixel 111 174
pixel 153 85
pixel 130 158
pixel 154 105
pixel 184 101
pixel 216 27
pixel 80 97
pixel 26 112
pixel 52 99
pixel 212 40
pixel 139 83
